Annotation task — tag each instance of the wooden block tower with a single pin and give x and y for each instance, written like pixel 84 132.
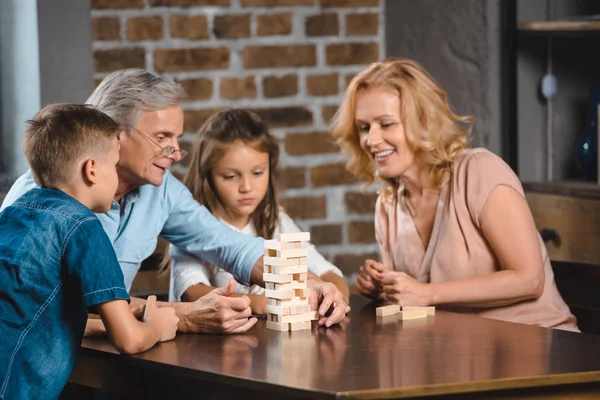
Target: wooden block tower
pixel 285 278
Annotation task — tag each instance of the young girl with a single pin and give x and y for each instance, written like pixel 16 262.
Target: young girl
pixel 233 173
pixel 453 226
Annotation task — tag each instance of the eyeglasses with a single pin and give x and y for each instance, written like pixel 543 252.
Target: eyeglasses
pixel 164 151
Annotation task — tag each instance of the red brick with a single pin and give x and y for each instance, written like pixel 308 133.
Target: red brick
pixel 197 89
pixel 362 24
pixel 106 28
pixel 280 86
pixel 280 56
pixel 305 207
pixel 144 28
pixel 112 60
pixel 189 26
pixel 274 24
pixel 116 4
pixel 351 53
pixel 238 88
pixel 191 59
pixel 322 85
pixel 193 119
pixel 350 262
pixel 285 116
pixel 327 113
pixel 231 26
pixel 189 3
pixel 360 203
pixel 361 232
pixel 310 143
pixel 292 177
pixel 276 3
pixel 349 3
pixel 323 25
pixel 331 175
pixel 326 234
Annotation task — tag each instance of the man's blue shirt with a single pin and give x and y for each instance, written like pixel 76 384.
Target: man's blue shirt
pixel 169 211
pixel 55 262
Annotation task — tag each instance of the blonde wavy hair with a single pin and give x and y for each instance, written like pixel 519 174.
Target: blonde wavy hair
pixel 433 132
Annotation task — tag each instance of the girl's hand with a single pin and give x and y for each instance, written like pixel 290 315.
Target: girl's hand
pixel 368 281
pixel 404 290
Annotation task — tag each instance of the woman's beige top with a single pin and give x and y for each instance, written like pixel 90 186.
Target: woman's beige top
pixel 457 248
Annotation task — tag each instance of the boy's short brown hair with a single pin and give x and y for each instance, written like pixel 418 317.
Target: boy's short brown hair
pixel 59 135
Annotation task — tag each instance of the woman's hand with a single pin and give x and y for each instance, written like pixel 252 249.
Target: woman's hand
pixel 368 281
pixel 401 289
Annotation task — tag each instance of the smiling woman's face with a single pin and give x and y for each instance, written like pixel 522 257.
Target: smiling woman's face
pixel 381 131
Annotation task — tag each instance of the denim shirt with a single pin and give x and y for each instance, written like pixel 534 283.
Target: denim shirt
pixel 55 262
pixel 169 210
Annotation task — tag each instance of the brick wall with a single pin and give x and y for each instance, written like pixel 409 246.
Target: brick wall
pixel 290 61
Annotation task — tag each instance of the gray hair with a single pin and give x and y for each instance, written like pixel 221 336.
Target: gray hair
pixel 125 94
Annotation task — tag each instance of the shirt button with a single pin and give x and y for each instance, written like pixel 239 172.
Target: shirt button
pixel 139 256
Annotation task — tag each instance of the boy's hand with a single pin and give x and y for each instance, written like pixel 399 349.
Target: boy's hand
pixel 163 319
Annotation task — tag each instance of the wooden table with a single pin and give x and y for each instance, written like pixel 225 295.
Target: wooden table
pixel 450 355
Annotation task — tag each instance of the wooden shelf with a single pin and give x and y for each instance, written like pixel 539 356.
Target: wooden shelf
pixel 584 28
pixel 582 190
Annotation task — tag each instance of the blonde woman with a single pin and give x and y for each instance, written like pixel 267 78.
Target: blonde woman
pixel 453 225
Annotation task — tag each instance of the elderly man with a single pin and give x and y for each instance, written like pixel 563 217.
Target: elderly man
pixel 150 202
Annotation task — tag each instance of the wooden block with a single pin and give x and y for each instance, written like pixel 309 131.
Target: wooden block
pixel 294 237
pixel 289 310
pixel 283 262
pixel 293 253
pixel 291 245
pixel 278 278
pixel 293 302
pixel 270 253
pixel 387 310
pixel 291 270
pixel 301 292
pixel 300 326
pixel 300 277
pixel 278 326
pixel 288 286
pixel 297 317
pixel 314 315
pixel 270 286
pixel 272 244
pixel 412 314
pixel 430 310
pixel 280 294
pixel 278 310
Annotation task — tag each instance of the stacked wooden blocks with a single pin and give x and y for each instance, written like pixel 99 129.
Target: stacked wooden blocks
pixel 285 279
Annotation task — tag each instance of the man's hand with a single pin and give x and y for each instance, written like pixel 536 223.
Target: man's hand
pixel 328 300
pixel 216 312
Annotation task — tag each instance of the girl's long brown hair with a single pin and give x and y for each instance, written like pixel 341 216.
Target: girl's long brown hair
pixel 214 136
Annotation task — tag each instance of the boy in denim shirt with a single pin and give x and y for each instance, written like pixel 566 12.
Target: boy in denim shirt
pixel 56 260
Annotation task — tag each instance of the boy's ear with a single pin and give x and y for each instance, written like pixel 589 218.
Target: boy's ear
pixel 90 171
